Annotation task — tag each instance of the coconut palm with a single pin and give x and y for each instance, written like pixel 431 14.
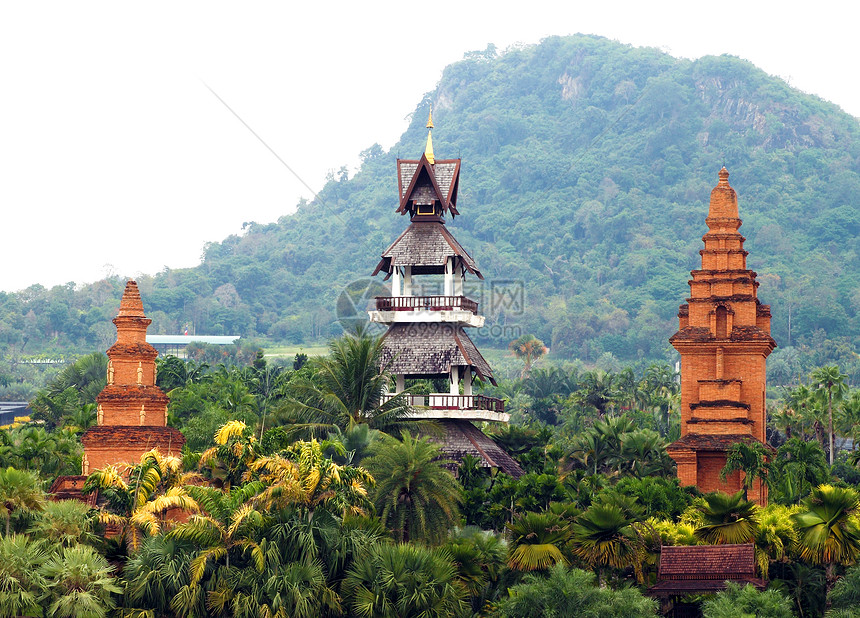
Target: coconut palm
pixel 20 492
pixel 415 496
pixel 751 459
pixel 828 533
pixel 798 467
pixel 605 536
pixel 536 541
pixel 727 519
pixel 405 581
pixel 347 388
pixel 80 584
pixel 831 387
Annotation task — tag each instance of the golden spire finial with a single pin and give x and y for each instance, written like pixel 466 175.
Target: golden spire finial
pixel 428 150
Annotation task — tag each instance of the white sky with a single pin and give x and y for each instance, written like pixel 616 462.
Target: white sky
pixel 115 158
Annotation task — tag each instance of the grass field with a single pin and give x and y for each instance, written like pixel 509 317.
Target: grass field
pixel 290 351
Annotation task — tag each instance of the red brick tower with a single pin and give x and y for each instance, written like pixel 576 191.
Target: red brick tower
pixel 132 410
pixel 724 341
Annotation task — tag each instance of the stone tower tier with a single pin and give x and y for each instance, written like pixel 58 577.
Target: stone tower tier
pixel 132 405
pixel 110 445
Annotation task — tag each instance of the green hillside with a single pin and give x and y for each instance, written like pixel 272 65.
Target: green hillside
pixel 587 165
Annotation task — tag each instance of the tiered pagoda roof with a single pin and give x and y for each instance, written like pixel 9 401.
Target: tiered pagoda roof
pixel 426 335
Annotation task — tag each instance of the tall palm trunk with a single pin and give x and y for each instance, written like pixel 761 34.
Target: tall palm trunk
pixel 830 420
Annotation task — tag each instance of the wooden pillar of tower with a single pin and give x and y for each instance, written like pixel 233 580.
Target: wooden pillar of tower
pixel 724 340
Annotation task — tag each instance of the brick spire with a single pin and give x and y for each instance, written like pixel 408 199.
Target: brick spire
pixel 132 410
pixel 724 339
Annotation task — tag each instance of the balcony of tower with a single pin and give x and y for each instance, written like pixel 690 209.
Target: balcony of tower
pixel 445 406
pixel 434 308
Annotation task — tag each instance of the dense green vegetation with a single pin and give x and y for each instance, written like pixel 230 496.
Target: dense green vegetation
pixel 306 495
pixel 587 166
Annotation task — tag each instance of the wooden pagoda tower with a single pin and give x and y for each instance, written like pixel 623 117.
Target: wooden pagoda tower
pixel 426 335
pixel 724 341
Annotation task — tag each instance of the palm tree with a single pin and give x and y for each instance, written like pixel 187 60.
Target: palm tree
pixel 415 496
pixel 828 534
pixel 81 584
pixel 536 541
pixel 347 388
pixel 227 462
pixel 405 581
pixel 76 385
pixel 155 575
pixel 226 526
pixel 571 592
pixel 303 476
pixel 528 349
pixel 727 519
pixel 798 467
pixel 20 492
pixel 831 387
pixel 604 536
pixel 643 452
pixel 751 459
pixel 145 505
pixel 21 580
pixel 596 390
pixel 66 523
pixel 775 537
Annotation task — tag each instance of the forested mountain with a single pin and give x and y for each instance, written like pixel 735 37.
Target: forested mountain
pixel 587 166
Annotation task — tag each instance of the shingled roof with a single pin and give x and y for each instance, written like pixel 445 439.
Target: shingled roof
pixel 463 438
pixel 425 243
pixel 704 568
pixel 443 179
pixel 431 348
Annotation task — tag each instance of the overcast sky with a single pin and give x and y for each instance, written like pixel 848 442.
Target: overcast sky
pixel 115 158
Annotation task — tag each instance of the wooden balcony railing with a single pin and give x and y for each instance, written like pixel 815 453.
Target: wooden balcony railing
pixel 431 303
pixel 441 401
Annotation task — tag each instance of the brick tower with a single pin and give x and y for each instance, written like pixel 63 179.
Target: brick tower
pixel 426 335
pixel 132 410
pixel 724 341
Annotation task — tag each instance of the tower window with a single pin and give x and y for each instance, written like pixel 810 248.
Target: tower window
pixel 722 323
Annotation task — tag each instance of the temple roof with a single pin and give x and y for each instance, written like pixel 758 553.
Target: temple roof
pixel 423 182
pixel 463 438
pixel 425 243
pixel 689 569
pixel 431 348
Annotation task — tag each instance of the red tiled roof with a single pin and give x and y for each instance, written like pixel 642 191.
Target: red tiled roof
pixel 712 562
